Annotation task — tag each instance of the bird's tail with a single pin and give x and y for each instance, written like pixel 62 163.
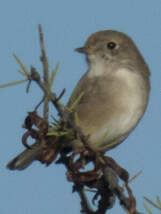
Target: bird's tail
pixel 24 159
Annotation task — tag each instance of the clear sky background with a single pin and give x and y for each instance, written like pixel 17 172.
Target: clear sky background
pixel 66 25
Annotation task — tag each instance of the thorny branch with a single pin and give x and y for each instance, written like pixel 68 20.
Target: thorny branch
pixel 44 59
pixel 103 179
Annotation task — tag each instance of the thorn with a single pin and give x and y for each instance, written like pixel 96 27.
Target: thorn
pixel 61 94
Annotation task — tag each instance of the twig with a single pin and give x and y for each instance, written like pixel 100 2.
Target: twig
pixel 152 203
pixel 44 60
pixel 61 94
pixel 64 114
pixel 38 105
pixel 85 205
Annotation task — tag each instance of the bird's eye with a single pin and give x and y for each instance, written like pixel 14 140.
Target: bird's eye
pixel 111 45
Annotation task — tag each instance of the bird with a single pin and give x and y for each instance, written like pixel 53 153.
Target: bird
pixel 115 90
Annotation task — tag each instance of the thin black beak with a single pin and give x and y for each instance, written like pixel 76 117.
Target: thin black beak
pixel 81 50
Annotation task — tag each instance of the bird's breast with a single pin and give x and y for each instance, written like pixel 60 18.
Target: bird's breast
pixel 113 105
pixel 132 96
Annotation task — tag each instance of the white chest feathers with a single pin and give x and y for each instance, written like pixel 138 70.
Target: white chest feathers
pixel 134 98
pixel 131 103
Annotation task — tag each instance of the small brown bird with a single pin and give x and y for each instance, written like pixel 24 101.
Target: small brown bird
pixel 115 93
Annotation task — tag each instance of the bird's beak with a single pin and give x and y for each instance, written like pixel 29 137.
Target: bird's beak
pixel 85 50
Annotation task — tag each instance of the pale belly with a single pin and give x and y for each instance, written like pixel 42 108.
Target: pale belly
pixel 126 110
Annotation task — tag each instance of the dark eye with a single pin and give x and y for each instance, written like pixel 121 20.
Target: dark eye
pixel 111 45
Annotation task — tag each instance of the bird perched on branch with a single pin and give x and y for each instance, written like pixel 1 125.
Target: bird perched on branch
pixel 115 93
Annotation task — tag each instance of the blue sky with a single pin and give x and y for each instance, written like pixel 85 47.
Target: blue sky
pixel 67 24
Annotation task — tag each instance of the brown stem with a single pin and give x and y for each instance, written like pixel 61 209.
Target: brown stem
pixel 44 61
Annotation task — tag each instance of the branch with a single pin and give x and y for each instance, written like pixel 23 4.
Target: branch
pixel 104 178
pixel 44 60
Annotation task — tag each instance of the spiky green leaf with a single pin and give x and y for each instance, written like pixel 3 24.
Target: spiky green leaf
pixel 158 201
pixel 152 203
pixel 13 83
pixel 53 74
pixel 25 71
pixel 147 209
